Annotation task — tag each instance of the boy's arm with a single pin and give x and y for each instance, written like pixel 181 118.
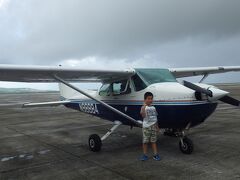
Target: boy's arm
pixel 143 112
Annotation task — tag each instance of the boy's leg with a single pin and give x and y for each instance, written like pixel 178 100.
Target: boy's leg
pixel 154 139
pixel 154 147
pixel 146 137
pixel 145 147
pixel 145 144
pixel 156 155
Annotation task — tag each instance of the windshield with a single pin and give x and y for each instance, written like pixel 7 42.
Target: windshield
pixel 151 76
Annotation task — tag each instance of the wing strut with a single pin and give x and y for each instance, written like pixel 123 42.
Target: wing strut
pixel 99 101
pixel 204 77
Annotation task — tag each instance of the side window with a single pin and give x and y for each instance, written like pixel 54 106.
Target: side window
pixel 105 90
pixel 138 83
pixel 121 87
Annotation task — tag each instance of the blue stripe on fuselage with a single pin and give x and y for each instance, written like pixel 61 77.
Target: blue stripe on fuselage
pixel 171 114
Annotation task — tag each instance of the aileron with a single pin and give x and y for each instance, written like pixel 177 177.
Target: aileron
pixel 187 72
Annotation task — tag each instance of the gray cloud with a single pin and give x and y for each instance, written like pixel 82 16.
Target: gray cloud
pixel 46 32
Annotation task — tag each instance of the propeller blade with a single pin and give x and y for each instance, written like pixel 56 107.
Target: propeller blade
pixel 197 88
pixel 230 100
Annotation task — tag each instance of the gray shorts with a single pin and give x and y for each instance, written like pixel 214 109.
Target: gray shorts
pixel 150 134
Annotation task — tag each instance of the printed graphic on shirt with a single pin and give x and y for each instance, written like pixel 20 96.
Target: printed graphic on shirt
pixel 151 113
pixel 151 116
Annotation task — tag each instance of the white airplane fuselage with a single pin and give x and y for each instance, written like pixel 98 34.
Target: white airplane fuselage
pixel 176 104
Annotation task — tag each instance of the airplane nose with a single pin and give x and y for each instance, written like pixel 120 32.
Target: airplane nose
pixel 216 93
pixel 212 93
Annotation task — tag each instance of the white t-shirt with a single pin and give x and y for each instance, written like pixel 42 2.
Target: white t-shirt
pixel 151 116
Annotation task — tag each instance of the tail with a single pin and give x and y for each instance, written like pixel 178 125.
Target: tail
pixel 67 92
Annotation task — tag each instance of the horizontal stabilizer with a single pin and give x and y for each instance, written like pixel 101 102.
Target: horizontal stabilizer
pixel 43 104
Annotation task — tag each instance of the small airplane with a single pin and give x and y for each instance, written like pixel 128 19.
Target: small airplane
pixel 180 106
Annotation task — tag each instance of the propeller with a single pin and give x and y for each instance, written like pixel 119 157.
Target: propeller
pixel 213 93
pixel 230 100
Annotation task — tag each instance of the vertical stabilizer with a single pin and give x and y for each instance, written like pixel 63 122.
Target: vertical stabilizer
pixel 67 92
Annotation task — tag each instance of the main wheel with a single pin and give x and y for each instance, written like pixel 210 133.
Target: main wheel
pixel 95 143
pixel 187 146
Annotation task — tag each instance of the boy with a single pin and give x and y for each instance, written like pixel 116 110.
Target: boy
pixel 150 126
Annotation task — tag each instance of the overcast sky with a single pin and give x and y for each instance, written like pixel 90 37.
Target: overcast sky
pixel 121 34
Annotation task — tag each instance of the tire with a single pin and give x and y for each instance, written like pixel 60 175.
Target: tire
pixel 94 143
pixel 187 147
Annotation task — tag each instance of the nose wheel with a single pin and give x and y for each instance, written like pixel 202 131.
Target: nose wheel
pixel 186 145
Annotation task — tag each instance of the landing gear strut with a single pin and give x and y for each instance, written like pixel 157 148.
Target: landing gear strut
pixel 95 142
pixel 185 144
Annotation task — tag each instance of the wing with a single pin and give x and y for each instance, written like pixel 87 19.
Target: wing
pixel 18 73
pixel 186 72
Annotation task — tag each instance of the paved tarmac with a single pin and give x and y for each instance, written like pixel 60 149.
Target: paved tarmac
pixel 51 143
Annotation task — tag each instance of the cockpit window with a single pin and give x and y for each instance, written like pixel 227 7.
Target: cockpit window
pixel 151 76
pixel 115 88
pixel 121 87
pixel 105 90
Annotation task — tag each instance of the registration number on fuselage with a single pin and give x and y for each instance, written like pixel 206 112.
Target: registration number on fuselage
pixel 90 108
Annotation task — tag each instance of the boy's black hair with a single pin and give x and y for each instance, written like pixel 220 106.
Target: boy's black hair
pixel 148 94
